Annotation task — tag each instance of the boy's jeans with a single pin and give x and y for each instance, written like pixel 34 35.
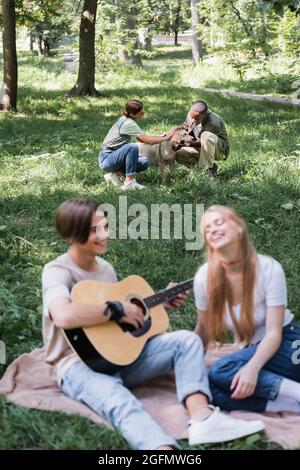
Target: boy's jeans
pixel 109 396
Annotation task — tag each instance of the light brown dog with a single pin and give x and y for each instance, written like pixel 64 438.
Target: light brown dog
pixel 164 153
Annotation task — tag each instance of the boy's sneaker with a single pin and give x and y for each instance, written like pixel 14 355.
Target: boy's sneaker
pixel 219 427
pixel 133 184
pixel 112 178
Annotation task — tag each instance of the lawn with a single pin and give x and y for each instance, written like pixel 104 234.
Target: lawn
pixel 49 153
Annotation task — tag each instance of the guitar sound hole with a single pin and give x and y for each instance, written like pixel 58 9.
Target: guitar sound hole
pixel 130 328
pixel 139 303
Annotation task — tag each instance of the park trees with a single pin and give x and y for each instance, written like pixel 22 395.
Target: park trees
pixel 85 84
pixel 10 68
pixel 196 44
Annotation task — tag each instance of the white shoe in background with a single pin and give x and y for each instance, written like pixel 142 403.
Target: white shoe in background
pixel 112 178
pixel 133 184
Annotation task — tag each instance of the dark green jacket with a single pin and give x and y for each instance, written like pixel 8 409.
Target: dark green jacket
pixel 213 123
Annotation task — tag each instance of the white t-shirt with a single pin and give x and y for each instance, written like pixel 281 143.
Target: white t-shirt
pixel 270 291
pixel 58 278
pixel 197 130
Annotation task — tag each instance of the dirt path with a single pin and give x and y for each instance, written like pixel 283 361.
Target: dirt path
pixel 254 96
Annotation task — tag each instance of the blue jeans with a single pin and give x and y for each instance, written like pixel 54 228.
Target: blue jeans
pixel 110 397
pixel 280 366
pixel 125 159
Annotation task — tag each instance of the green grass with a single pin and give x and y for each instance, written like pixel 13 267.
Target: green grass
pixel 49 153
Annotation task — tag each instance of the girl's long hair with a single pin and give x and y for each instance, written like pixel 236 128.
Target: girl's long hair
pixel 219 290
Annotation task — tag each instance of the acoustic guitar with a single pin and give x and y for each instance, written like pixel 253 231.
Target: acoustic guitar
pixel 108 346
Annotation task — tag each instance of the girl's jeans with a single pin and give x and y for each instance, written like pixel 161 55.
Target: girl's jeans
pixel 284 364
pixel 125 159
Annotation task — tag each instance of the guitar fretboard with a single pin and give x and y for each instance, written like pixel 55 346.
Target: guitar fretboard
pixel 168 294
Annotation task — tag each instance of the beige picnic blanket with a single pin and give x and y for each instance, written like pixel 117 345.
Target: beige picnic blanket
pixel 30 382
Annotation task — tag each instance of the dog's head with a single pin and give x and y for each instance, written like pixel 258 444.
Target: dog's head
pixel 180 139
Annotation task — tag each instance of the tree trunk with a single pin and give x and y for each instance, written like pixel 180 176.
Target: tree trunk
pixel 132 26
pixel 46 48
pixel 10 72
pixel 31 42
pixel 136 57
pixel 197 45
pixel 176 37
pixel 129 48
pixel 211 26
pixel 39 43
pixel 122 54
pixel 177 22
pixel 85 85
pixel 148 43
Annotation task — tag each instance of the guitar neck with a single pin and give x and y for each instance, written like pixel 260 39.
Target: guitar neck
pixel 168 294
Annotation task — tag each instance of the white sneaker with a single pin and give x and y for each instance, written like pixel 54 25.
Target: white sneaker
pixel 219 427
pixel 133 184
pixel 112 178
